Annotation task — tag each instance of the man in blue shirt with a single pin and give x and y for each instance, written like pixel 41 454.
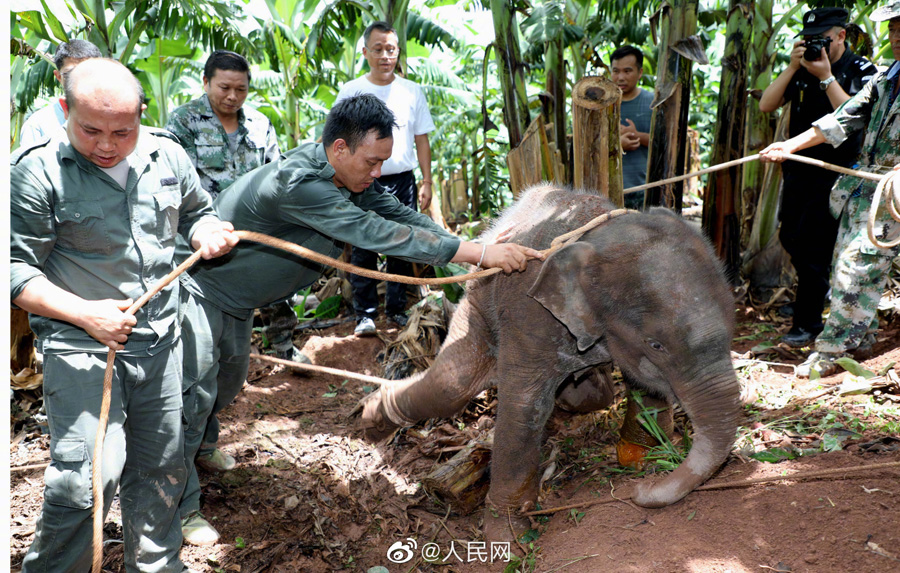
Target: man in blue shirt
pixel 627 67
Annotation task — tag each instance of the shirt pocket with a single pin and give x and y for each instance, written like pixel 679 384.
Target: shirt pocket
pixel 211 156
pixel 80 226
pixel 167 202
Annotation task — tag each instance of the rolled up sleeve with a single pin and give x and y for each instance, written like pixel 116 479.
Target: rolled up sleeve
pixel 32 232
pixel 386 228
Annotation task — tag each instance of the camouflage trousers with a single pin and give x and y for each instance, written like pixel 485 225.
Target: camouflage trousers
pixel 859 274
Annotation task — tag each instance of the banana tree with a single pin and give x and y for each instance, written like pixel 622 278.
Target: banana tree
pixel 721 207
pixel 679 48
pixel 511 69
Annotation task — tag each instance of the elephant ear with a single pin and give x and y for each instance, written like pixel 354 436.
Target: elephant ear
pixel 560 289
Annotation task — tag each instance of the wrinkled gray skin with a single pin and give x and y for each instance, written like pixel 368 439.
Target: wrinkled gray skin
pixel 642 290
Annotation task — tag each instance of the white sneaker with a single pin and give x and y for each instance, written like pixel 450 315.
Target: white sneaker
pixel 365 327
pixel 195 530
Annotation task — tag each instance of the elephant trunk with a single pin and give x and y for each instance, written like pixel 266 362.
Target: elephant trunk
pixel 713 405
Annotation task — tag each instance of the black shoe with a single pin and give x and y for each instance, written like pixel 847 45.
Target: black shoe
pixel 798 337
pixel 399 319
pixel 786 311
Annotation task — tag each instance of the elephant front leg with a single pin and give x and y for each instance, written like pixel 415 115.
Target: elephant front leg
pixel 460 371
pixel 634 440
pixel 515 462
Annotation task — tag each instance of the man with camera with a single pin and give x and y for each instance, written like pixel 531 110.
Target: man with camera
pixel 823 73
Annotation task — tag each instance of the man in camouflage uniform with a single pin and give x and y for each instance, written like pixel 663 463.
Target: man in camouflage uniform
pixel 225 140
pixel 860 267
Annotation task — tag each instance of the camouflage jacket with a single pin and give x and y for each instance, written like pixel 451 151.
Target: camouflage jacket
pixel 203 137
pixel 873 111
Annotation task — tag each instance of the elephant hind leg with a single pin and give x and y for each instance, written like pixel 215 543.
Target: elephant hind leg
pixel 462 369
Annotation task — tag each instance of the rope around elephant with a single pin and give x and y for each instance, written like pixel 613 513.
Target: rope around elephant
pixel 557 243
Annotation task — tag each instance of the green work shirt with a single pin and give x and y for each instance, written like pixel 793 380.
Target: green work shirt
pixel 203 137
pixel 73 224
pixel 295 199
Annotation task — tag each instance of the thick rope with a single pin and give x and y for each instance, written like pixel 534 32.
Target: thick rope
pixel 322 369
pixel 892 204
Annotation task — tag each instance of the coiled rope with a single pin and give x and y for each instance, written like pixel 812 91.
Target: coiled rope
pixel 893 205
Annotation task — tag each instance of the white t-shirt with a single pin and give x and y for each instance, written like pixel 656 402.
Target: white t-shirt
pixel 119 172
pixel 406 100
pixel 43 124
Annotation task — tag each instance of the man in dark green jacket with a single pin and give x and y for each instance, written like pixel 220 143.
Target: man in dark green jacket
pixel 319 196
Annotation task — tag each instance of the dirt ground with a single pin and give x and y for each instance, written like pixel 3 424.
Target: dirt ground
pixel 309 494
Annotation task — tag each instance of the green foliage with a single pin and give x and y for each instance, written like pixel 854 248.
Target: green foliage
pixel 666 455
pixel 453 291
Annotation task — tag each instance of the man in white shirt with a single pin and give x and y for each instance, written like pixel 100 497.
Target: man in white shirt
pixel 407 102
pixel 48 121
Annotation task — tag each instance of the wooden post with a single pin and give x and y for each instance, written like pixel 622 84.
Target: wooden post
pixel 530 162
pixel 597 155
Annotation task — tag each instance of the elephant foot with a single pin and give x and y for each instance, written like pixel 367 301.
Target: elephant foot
pixel 373 420
pixel 379 413
pixel 504 525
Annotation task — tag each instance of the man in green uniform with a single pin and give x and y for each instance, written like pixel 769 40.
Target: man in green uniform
pixel 93 219
pixel 860 268
pixel 319 196
pixel 225 139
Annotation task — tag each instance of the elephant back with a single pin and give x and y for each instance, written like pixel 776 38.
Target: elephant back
pixel 545 212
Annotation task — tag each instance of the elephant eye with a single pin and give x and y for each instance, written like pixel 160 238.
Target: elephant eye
pixel 657 346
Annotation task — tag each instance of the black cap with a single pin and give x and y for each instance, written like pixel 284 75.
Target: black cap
pixel 821 20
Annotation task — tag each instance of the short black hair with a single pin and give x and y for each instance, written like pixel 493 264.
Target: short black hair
pixel 624 52
pixel 225 60
pixel 381 26
pixel 75 50
pixel 353 118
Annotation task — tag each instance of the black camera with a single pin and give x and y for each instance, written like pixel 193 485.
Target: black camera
pixel 814 47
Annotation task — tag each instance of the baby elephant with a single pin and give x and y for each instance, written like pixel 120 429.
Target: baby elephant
pixel 641 290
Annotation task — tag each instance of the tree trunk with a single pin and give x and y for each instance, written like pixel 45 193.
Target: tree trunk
pixel 678 49
pixel 722 200
pixel 512 76
pixel 766 263
pixel 462 481
pixel 760 126
pixel 530 162
pixel 597 155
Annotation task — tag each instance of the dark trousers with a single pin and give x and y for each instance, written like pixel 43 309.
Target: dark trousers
pixel 365 290
pixel 808 233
